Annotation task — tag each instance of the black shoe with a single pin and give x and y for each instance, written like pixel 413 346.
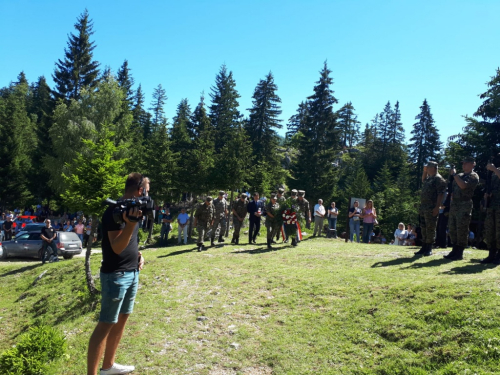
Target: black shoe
pixel 428 250
pixel 294 242
pixel 221 239
pixel 254 242
pixel 212 240
pixel 200 247
pixel 491 258
pixel 451 254
pixel 421 251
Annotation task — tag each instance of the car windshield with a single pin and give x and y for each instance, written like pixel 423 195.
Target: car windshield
pixel 68 236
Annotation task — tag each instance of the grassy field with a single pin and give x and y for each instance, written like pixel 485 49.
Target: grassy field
pixel 325 307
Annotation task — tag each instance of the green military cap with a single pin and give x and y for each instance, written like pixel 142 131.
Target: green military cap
pixel 222 192
pixel 302 193
pixel 243 195
pixel 468 159
pixel 432 164
pixel 209 198
pixel 281 190
pixel 273 195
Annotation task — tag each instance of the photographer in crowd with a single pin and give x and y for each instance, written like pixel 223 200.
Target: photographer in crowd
pixel 120 268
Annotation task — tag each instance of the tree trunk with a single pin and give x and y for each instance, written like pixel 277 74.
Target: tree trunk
pixel 88 271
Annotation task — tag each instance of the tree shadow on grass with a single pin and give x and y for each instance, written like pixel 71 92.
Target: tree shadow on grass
pixel 432 263
pixel 395 262
pixel 22 269
pixel 259 250
pixel 472 268
pixel 180 252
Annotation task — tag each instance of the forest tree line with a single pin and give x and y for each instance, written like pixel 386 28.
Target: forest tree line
pixel 47 133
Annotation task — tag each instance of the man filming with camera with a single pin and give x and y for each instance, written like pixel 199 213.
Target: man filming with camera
pixel 121 263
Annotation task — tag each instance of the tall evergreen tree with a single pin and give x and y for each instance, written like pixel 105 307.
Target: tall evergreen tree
pixel 141 118
pixel 396 130
pixel 348 125
pixel 78 69
pixel 313 170
pixel 298 121
pixel 126 82
pixel 224 114
pixel 157 106
pixel 179 134
pixel 489 110
pixel 200 121
pixel 424 144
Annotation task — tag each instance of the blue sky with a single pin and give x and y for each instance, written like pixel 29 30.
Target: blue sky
pixel 378 51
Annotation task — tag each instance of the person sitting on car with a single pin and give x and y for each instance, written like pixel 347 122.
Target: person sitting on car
pixel 48 236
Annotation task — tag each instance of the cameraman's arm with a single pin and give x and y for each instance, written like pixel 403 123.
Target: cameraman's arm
pixel 119 239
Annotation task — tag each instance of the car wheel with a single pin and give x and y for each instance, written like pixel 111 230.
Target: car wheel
pixel 68 256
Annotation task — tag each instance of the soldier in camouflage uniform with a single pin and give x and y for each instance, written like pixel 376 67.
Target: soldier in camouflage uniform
pixel 492 222
pixel 239 214
pixel 203 219
pixel 433 188
pixel 304 207
pixel 221 206
pixel 462 191
pixel 281 198
pixel 272 219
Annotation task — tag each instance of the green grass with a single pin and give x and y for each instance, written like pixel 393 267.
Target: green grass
pixel 325 307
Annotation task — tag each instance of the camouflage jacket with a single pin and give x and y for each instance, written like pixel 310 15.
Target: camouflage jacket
pixel 274 210
pixel 465 195
pixel 204 213
pixel 240 207
pixel 304 207
pixel 432 187
pixel 220 206
pixel 495 192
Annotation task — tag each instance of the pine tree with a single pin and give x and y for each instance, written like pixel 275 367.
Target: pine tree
pixel 348 125
pixel 126 82
pixel 489 110
pixel 17 144
pixel 179 133
pixel 200 122
pixel 397 132
pixel 157 106
pixel 425 144
pixel 297 122
pixel 141 118
pixel 313 170
pixel 78 69
pixel 224 114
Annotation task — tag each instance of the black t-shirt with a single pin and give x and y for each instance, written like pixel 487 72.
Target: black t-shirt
pixel 48 232
pixel 127 260
pixel 7 225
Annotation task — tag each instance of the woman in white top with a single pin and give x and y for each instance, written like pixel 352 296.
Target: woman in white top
pixel 400 235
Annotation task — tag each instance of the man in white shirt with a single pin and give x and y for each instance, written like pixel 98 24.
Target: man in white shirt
pixel 182 221
pixel 319 216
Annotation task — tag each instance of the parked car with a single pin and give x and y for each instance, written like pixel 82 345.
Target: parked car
pixel 29 245
pixel 33 227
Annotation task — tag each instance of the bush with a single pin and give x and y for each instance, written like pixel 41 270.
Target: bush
pixel 36 349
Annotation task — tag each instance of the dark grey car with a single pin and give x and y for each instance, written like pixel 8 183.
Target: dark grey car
pixel 29 245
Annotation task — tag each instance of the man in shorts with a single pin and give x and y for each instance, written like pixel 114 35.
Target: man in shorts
pixel 120 268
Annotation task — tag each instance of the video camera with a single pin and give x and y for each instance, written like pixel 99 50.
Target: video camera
pixel 145 204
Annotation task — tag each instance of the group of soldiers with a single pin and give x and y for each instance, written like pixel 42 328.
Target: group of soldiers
pixel 212 213
pixel 461 190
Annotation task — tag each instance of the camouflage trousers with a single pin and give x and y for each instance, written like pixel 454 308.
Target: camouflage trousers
pixel 202 228
pixel 237 227
pixel 272 229
pixel 219 220
pixel 428 225
pixel 458 222
pixel 492 228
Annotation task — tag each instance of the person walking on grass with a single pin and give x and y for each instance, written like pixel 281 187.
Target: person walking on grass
pixel 121 263
pixel 319 217
pixel 182 222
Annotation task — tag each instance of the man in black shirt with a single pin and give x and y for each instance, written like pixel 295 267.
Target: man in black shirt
pixel 121 262
pixel 7 228
pixel 48 236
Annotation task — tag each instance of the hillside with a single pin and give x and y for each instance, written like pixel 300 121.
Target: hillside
pixel 325 307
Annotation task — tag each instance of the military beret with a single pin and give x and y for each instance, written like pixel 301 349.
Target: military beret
pixel 208 198
pixel 273 196
pixel 302 193
pixel 432 164
pixel 281 190
pixel 468 159
pixel 222 192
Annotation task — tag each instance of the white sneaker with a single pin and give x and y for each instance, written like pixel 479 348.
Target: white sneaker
pixel 117 369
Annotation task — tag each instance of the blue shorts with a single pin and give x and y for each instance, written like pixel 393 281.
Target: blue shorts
pixel 118 291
